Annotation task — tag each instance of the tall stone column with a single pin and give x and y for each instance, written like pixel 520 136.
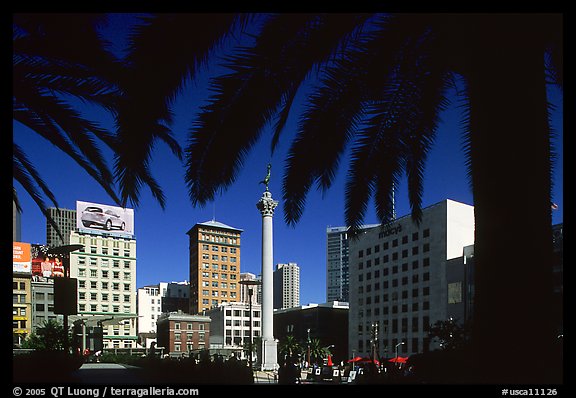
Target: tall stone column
pixel 268 356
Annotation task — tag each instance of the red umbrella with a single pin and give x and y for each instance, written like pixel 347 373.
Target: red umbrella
pixel 364 360
pixel 330 360
pixel 398 359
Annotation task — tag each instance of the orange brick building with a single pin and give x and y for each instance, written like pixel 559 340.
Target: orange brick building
pixel 214 265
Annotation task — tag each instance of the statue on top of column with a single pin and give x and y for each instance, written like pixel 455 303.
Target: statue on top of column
pixel 266 179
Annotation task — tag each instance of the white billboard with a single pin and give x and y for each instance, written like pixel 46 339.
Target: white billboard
pixel 99 218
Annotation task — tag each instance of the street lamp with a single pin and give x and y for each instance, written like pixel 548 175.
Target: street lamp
pixel 64 253
pixel 308 345
pixel 374 340
pixel 249 283
pixel 396 348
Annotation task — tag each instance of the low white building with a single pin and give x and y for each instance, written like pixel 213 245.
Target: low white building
pixel 153 300
pixel 230 328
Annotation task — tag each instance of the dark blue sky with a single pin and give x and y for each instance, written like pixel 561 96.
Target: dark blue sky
pixel 162 243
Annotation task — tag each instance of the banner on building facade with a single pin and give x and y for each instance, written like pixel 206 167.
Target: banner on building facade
pixel 22 261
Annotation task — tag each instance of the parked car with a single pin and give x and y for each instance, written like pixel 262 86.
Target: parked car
pixel 108 219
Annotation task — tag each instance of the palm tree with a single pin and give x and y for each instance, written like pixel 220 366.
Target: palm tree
pixel 381 84
pixel 57 57
pixel 289 347
pixel 317 352
pixel 144 117
pixel 49 336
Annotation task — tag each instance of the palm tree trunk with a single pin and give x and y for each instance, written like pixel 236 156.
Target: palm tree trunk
pixel 513 331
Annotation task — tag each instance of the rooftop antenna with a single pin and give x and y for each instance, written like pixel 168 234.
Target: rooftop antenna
pixel 393 204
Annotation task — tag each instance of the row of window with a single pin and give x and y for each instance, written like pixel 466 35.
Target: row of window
pixel 395 256
pixel 398 326
pixel 103 308
pixel 189 326
pixel 178 347
pixel 393 309
pixel 237 340
pixel 215 275
pixel 104 263
pixel 223 249
pixel 220 239
pixel 216 293
pixel 116 344
pixel 104 251
pixel 255 313
pixel 216 257
pixel 126 244
pixel 238 333
pixel 105 274
pixel 222 267
pixel 404 240
pixel 19 311
pixel 425 276
pixel 104 297
pixel 189 336
pixel 104 285
pixel 18 298
pixel 238 323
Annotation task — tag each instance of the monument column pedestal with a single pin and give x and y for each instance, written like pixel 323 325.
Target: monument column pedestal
pixel 268 351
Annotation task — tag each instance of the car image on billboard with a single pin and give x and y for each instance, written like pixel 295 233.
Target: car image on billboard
pixel 104 218
pixel 96 216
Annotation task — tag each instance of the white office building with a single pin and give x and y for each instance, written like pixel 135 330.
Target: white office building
pixel 398 284
pixel 106 271
pixel 230 328
pixel 286 279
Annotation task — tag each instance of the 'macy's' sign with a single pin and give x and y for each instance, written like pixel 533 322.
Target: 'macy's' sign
pixel 390 230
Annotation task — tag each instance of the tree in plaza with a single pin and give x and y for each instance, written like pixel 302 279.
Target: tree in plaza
pixel 289 347
pixel 382 83
pixel 450 334
pixel 317 352
pixel 48 337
